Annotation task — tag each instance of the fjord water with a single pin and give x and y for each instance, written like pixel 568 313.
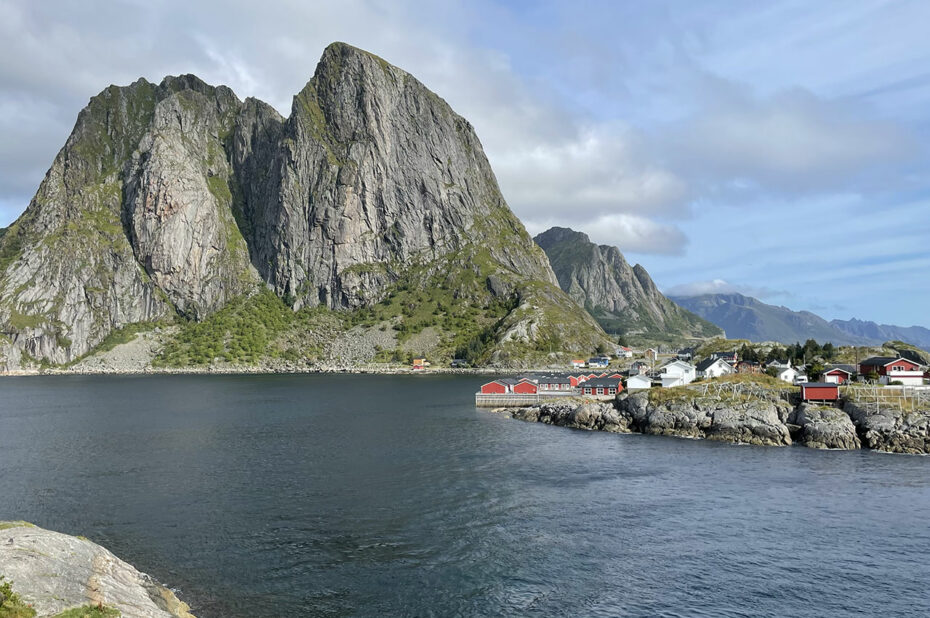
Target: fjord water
pixel 384 495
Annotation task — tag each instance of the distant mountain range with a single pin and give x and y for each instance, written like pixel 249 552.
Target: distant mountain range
pixel 744 317
pixel 915 335
pixel 622 298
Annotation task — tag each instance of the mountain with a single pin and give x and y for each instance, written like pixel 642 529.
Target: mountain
pixel 915 335
pixel 744 317
pixel 623 299
pixel 168 202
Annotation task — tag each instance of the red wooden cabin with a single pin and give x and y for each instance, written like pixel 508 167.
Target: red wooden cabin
pixel 819 391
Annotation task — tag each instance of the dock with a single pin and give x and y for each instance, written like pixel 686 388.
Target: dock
pixel 516 400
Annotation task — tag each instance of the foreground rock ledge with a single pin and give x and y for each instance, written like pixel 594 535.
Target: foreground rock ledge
pixel 54 572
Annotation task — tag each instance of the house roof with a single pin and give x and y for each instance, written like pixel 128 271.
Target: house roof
pixel 848 369
pixel 818 385
pixel 602 382
pixel 639 377
pixel 555 376
pixel 705 364
pixel 881 361
pixel 678 363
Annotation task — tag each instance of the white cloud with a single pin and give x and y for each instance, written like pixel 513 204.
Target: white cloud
pixel 792 141
pixel 628 232
pixel 720 286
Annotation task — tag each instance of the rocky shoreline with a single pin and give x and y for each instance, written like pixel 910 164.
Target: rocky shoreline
pixel 265 370
pixel 52 573
pixel 760 419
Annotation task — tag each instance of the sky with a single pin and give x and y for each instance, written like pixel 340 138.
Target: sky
pixel 776 149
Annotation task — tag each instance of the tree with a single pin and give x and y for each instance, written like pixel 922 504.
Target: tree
pixel 810 350
pixel 776 353
pixel 815 371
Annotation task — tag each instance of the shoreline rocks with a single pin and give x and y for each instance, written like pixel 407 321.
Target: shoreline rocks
pixel 825 428
pixel 53 572
pixel 759 420
pixel 889 430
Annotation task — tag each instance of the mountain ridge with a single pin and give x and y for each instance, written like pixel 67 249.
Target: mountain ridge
pixel 622 298
pixel 168 201
pixel 745 317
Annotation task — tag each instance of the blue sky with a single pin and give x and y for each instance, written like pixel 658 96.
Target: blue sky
pixel 778 151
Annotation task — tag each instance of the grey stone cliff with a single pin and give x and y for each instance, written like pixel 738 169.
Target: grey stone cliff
pixel 623 298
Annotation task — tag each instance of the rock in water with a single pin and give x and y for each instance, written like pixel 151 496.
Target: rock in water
pixel 54 572
pixel 173 199
pixel 622 298
pixel 684 413
pixel 889 429
pixel 825 427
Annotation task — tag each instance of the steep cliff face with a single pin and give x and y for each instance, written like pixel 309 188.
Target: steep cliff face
pixel 131 223
pixel 173 199
pixel 374 174
pixel 68 274
pixel 622 298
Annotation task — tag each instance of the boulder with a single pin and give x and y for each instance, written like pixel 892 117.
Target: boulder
pixel 825 427
pixel 891 430
pixel 54 572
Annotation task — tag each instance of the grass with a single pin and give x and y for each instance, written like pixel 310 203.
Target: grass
pixel 11 605
pixel 90 611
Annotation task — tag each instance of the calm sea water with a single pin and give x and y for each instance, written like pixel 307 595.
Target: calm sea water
pixel 379 495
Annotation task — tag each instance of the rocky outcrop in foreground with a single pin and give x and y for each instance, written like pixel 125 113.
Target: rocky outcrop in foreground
pixel 54 572
pixel 762 420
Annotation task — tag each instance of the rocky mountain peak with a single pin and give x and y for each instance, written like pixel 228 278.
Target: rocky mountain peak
pixel 173 199
pixel 623 299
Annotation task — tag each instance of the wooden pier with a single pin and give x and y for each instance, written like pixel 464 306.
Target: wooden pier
pixel 513 400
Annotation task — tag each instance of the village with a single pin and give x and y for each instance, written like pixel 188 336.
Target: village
pixel 594 378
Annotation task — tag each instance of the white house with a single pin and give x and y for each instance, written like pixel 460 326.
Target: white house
pixel 714 368
pixel 678 373
pixel 786 374
pixel 624 352
pixel 638 382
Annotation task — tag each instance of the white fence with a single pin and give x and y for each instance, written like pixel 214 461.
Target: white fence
pixel 874 397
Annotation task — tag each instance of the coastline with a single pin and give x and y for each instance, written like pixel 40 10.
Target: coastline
pixel 374 370
pixel 765 419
